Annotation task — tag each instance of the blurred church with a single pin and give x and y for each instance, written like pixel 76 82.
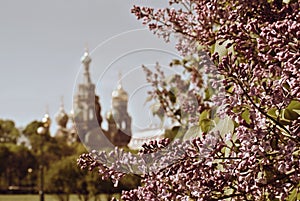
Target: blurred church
pixel 86 116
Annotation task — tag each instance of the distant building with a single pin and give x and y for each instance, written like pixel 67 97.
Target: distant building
pixel 86 116
pixel 145 135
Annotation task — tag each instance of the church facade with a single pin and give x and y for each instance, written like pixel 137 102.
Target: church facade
pixel 86 116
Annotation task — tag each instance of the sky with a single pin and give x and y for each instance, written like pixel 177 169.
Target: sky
pixel 41 43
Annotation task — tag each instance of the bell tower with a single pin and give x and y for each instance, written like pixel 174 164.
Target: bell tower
pixel 87 110
pixel 120 114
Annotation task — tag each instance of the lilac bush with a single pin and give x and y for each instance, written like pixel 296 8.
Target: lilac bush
pixel 253 50
pixel 179 98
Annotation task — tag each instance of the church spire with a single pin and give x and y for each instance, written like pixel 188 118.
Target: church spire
pixel 120 86
pixel 86 60
pixel 120 79
pixel 62 107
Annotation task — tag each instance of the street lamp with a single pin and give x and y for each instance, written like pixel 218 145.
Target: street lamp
pixel 42 130
pixel 30 183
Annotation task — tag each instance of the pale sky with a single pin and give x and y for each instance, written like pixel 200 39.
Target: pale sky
pixel 41 43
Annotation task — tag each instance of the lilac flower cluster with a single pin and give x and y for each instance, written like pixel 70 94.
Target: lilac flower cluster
pixel 168 170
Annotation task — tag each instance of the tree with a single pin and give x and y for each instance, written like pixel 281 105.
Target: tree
pixel 18 159
pixel 8 131
pixel 250 52
pixel 63 178
pixel 53 148
pixel 4 153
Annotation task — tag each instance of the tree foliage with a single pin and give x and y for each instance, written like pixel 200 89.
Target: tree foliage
pixel 8 131
pixel 20 166
pixel 18 159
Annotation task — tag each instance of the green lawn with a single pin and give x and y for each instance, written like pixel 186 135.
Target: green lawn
pixel 47 198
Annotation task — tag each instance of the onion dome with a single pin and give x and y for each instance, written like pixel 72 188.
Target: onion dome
pixel 120 94
pixel 62 117
pixel 46 120
pixel 86 59
pixel 71 114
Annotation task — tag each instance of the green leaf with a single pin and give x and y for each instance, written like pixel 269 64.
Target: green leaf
pixel 224 126
pixel 206 125
pixel 297 111
pixel 212 48
pixel 246 116
pixel 208 93
pixel 273 112
pixel 294 106
pixel 289 114
pixel 192 132
pixel 296 153
pixel 268 173
pixel 221 48
pixel 226 151
pixel 172 97
pixel 229 88
pixel 204 115
pixel 286 86
pixel 157 109
pixel 294 195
